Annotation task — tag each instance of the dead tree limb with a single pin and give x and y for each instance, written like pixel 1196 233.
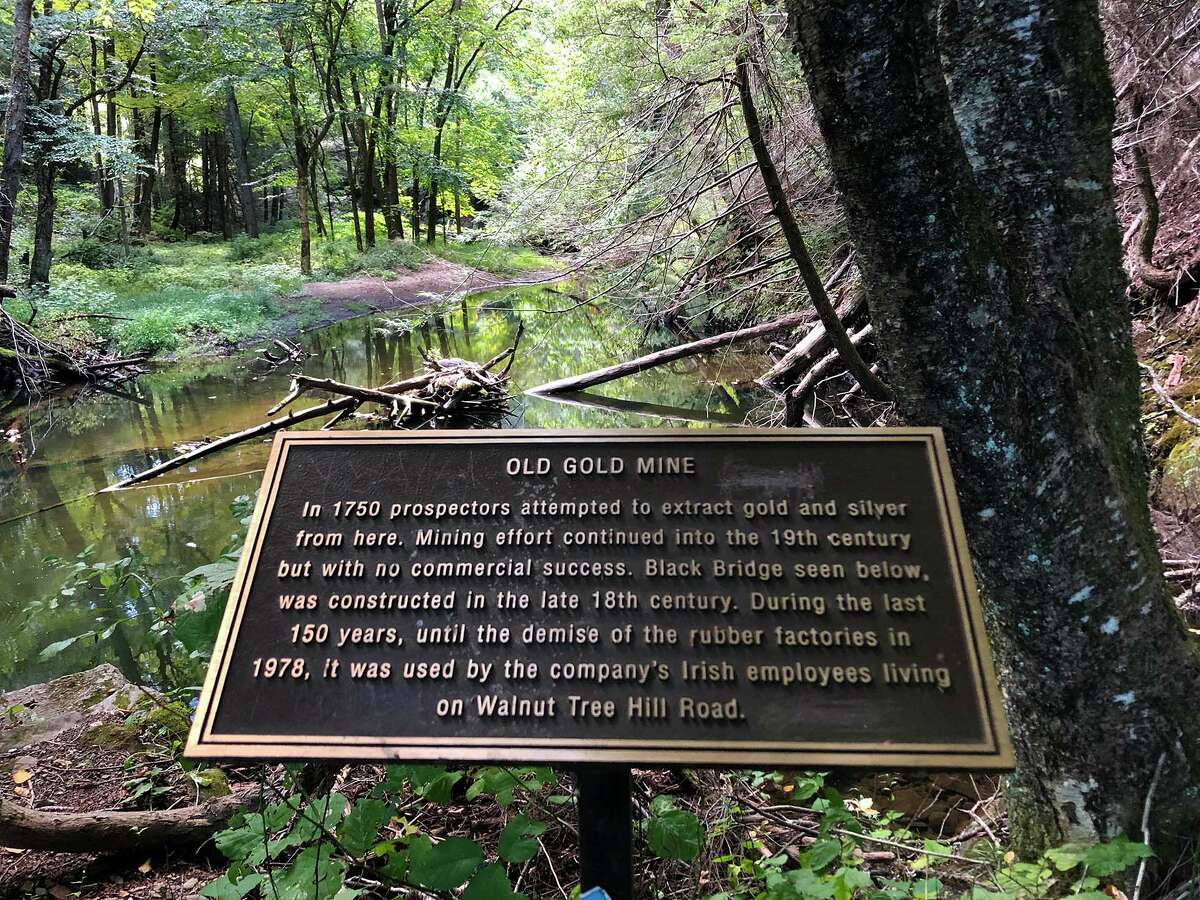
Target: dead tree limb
pixel 114 832
pixel 1164 395
pixel 797 398
pixel 795 241
pixel 447 383
pixel 805 353
pixel 814 374
pixel 660 357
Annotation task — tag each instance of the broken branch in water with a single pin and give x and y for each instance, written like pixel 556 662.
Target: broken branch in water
pixel 449 392
pixel 660 357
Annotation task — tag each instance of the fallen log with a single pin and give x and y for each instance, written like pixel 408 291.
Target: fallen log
pixel 806 353
pixel 113 832
pixel 292 418
pixel 660 357
pixel 797 397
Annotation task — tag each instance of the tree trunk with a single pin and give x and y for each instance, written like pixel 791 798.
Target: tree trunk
pixel 414 220
pixel 148 177
pixel 991 254
pixel 109 186
pixel 225 191
pixel 233 122
pixel 366 163
pixel 351 180
pixel 43 234
pixel 14 128
pixel 302 155
pixel 45 169
pixel 174 159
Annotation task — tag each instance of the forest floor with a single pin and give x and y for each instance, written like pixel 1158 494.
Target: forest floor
pixel 196 298
pixel 436 280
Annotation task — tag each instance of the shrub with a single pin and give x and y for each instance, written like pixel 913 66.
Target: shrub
pixel 154 331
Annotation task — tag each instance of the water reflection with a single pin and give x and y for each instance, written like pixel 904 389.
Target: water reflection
pixel 48 484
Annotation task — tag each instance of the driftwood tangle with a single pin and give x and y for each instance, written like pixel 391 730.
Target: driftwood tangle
pixel 449 392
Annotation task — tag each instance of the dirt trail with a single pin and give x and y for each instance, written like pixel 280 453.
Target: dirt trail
pixel 434 281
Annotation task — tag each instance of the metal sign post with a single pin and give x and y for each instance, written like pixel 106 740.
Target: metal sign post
pixel 606 829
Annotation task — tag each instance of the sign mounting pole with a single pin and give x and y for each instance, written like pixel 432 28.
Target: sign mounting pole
pixel 606 829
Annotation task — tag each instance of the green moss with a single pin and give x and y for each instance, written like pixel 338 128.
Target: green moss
pixel 111 736
pixel 170 719
pixel 212 783
pixel 1179 489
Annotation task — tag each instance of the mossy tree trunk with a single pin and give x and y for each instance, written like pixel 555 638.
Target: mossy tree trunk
pixel 14 128
pixel 975 165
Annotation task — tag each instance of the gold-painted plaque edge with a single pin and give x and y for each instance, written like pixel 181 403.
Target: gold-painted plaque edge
pixel 993 755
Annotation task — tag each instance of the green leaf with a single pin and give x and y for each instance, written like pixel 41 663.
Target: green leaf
pixel 244 845
pixel 1114 856
pixel 822 853
pixel 490 883
pixel 313 875
pixel 321 816
pixel 224 889
pixel 800 884
pixel 662 804
pixel 432 782
pixel 52 650
pixel 846 881
pixel 358 830
pixel 447 865
pixel 396 867
pixel 675 835
pixel 1067 857
pixel 927 889
pixel 518 839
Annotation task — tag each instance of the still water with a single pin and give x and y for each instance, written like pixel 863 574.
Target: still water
pixel 49 505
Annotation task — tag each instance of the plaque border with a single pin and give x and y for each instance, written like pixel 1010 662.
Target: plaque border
pixel 993 754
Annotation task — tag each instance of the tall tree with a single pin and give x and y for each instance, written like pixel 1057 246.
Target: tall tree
pixel 300 146
pixel 245 192
pixel 14 128
pixel 979 193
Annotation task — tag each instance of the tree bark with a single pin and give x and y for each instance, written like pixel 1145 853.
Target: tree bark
pixel 983 217
pixel 109 186
pixel 14 128
pixel 44 168
pixel 148 177
pixel 45 171
pixel 233 121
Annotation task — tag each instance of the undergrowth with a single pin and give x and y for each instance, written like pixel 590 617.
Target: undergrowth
pixel 493 830
pixel 204 294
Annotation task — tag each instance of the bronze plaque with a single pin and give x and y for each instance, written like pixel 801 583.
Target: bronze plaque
pixel 696 597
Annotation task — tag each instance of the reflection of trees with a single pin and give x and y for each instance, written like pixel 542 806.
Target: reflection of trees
pixel 116 431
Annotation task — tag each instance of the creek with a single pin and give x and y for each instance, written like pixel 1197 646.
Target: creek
pixel 73 447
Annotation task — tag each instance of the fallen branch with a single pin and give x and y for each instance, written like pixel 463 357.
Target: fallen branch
pixel 439 393
pixel 661 357
pixel 1157 387
pixel 806 352
pixel 113 832
pixel 819 368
